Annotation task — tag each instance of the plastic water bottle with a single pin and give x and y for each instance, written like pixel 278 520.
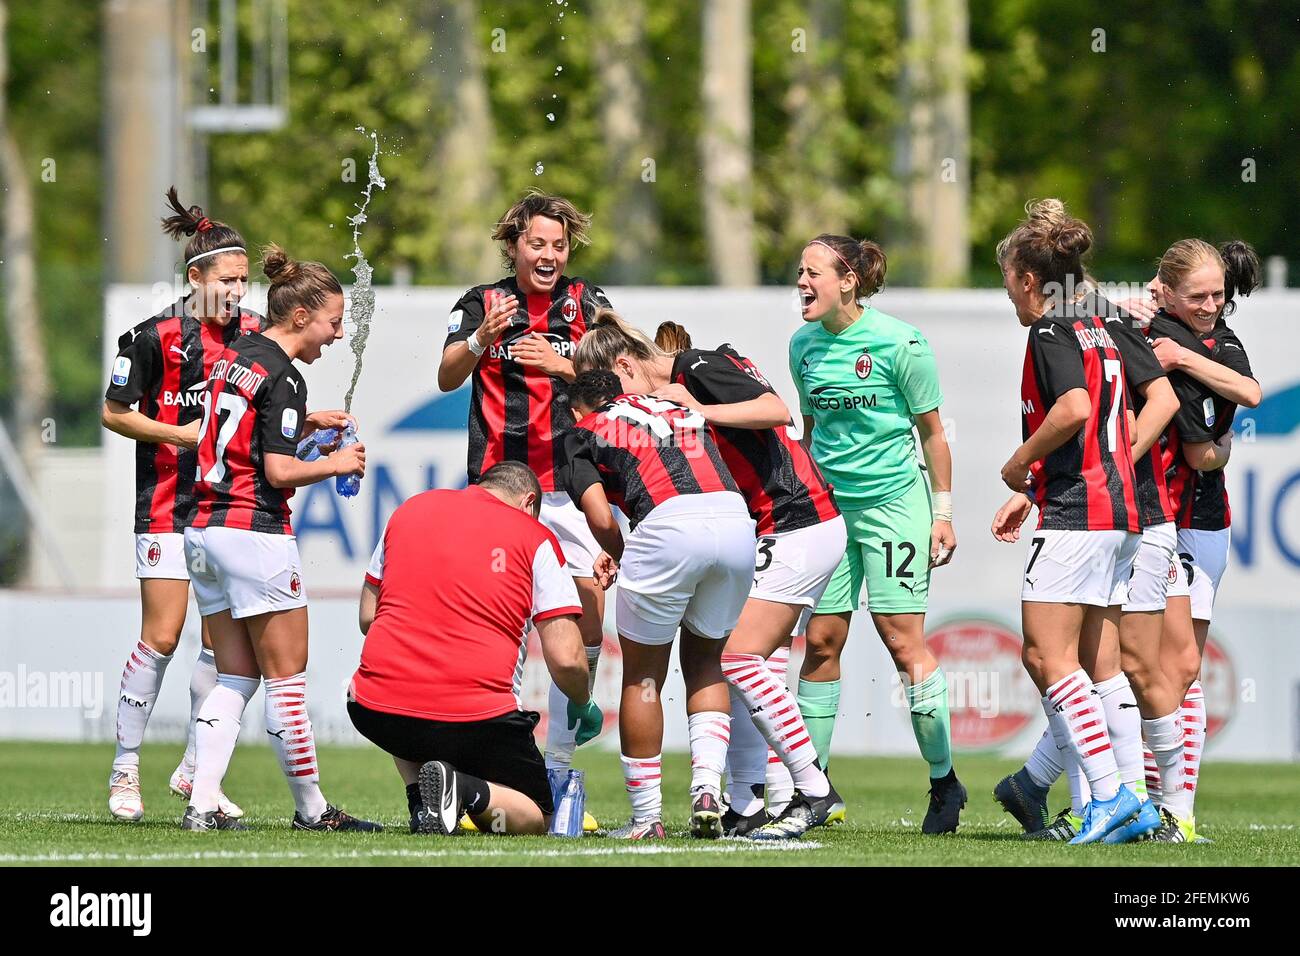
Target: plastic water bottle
pixel 348 485
pixel 570 796
pixel 309 447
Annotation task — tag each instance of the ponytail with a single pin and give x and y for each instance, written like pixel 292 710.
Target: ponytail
pixel 610 336
pixel 209 237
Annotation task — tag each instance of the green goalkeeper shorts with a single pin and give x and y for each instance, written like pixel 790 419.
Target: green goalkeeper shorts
pixel 889 549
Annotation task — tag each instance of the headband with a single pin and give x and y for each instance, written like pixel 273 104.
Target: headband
pixel 837 256
pixel 215 252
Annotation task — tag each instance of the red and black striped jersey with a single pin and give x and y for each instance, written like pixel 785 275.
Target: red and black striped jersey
pixel 1202 416
pixel 644 451
pixel 257 403
pixel 1088 483
pixel 1211 510
pixel 1140 367
pixel 516 412
pixel 781 484
pixel 163 364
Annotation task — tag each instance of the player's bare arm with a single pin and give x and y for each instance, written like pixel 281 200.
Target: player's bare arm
pixel 286 471
pixel 458 359
pixel 1069 413
pixel 1160 408
pixel 766 411
pixel 1209 455
pixel 600 518
pixel 1232 385
pixel 565 656
pixel 938 461
pixel 130 423
pixel 368 605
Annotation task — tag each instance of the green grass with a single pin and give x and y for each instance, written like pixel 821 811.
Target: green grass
pixel 52 811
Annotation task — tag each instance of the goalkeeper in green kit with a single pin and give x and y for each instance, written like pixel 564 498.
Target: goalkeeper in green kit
pixel 865 380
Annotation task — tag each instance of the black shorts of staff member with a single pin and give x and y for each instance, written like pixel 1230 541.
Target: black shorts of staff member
pixel 500 751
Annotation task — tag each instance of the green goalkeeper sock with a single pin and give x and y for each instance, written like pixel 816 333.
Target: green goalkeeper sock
pixel 928 701
pixel 819 702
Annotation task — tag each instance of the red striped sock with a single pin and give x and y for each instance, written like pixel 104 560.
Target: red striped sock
pixel 780 785
pixel 1076 699
pixel 1193 720
pixel 642 776
pixel 142 678
pixel 775 713
pixel 289 728
pixel 1152 772
pixel 710 732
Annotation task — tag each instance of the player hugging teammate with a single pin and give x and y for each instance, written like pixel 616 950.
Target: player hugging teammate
pixel 162 366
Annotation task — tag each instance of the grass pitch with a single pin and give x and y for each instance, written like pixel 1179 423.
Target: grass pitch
pixel 53 811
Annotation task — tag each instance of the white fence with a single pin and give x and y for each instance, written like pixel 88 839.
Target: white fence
pixel 415 439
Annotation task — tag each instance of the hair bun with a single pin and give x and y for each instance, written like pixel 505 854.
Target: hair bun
pixel 277 266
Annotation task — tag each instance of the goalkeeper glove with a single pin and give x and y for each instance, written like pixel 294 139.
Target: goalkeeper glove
pixel 587 718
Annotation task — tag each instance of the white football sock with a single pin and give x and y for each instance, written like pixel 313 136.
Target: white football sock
pixel 1164 736
pixel 215 735
pixel 642 777
pixel 1152 769
pixel 1193 721
pixel 289 727
pixel 746 760
pixel 561 742
pixel 1059 728
pixel 1077 700
pixel 1044 764
pixel 710 732
pixel 202 679
pixel 1124 724
pixel 773 710
pixel 780 785
pixel 142 678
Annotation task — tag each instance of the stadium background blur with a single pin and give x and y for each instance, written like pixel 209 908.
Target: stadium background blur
pixel 710 141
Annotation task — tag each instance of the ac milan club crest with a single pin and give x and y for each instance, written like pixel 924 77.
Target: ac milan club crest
pixel 570 309
pixel 1173 571
pixel 295 584
pixel 154 554
pixel 863 366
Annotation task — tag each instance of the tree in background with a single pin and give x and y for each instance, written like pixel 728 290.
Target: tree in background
pixel 726 142
pixel 22 316
pixel 632 170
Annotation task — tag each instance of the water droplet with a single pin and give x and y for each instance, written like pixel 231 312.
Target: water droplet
pixel 551 117
pixel 558 70
pixel 538 169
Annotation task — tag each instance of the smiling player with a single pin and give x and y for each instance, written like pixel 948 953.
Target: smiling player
pixel 515 338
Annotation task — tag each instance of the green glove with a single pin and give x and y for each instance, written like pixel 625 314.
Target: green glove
pixel 587 718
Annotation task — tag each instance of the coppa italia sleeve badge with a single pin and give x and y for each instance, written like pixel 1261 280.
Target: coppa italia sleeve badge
pixel 289 423
pixel 121 370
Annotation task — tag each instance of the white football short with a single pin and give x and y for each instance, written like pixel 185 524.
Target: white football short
pixel 161 556
pixel 794 567
pixel 691 563
pixel 1204 555
pixel 1155 569
pixel 245 572
pixel 1079 567
pixel 567 522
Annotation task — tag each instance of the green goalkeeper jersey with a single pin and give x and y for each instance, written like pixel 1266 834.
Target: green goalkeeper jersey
pixel 863 388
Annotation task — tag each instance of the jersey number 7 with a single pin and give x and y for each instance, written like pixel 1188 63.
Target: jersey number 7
pixel 234 406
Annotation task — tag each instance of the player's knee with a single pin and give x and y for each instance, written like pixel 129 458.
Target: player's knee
pixel 162 639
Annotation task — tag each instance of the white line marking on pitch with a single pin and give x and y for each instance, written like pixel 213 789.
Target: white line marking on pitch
pixel 737 847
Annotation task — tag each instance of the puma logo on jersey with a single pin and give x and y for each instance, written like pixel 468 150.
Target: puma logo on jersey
pixel 698 364
pixel 183 353
pixel 911 588
pixel 1047 331
pixel 294 383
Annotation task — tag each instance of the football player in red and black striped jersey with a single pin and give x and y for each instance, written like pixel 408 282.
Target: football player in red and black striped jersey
pixel 515 339
pixel 161 366
pixel 687 563
pixel 242 555
pixel 801 539
pixel 1124 662
pixel 1197 285
pixel 1076 460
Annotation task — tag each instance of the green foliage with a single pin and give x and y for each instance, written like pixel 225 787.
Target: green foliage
pixel 1145 140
